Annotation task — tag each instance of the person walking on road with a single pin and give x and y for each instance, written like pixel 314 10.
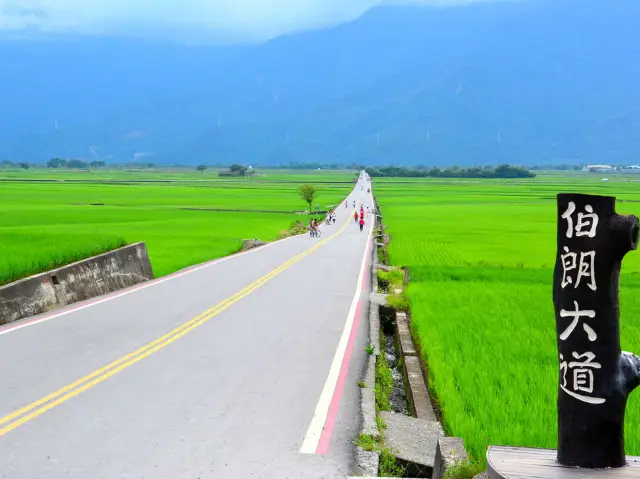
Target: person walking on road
pixel 361 222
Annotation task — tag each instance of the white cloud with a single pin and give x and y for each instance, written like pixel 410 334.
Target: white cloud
pixel 237 19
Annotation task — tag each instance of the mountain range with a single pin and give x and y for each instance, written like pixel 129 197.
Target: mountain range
pixel 522 82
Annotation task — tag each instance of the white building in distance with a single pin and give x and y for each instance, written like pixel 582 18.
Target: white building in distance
pixel 598 168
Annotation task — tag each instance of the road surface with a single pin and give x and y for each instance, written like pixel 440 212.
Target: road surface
pixel 244 367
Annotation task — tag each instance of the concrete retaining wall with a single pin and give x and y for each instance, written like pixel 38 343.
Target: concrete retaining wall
pixel 85 279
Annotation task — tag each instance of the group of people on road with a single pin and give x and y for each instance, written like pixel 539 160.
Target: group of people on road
pixel 359 218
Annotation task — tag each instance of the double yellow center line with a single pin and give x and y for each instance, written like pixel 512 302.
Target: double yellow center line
pixel 25 414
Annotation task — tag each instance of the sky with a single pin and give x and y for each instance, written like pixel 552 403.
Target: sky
pixel 216 20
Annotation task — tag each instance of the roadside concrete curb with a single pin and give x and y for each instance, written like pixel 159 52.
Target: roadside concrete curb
pixel 367 462
pixel 374 332
pixel 369 425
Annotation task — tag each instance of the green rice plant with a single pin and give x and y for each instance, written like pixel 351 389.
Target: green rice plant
pixel 25 254
pixel 183 218
pixel 481 255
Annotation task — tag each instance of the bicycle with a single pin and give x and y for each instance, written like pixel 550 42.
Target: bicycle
pixel 315 233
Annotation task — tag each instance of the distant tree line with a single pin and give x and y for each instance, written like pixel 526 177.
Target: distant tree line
pixel 8 164
pixel 502 171
pixel 73 163
pixel 560 167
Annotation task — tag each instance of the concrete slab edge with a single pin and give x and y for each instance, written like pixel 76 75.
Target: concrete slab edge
pixel 416 389
pixel 378 299
pixel 449 452
pixel 368 405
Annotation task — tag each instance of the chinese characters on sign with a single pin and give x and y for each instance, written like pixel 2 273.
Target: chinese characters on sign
pixel 578 270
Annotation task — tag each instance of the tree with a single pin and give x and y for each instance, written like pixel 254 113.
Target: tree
pixel 238 170
pixel 97 164
pixel 57 163
pixel 201 168
pixel 24 166
pixel 308 193
pixel 79 164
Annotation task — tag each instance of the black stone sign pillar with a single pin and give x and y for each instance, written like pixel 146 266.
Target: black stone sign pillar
pixel 595 376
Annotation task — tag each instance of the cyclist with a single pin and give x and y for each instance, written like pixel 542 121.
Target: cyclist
pixel 361 222
pixel 313 224
pixel 355 216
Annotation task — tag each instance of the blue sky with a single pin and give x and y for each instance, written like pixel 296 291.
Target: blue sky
pixel 204 19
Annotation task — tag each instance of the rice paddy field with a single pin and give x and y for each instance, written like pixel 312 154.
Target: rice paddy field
pixel 51 218
pixel 481 256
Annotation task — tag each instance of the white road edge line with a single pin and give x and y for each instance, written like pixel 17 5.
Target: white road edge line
pixel 314 432
pixel 135 288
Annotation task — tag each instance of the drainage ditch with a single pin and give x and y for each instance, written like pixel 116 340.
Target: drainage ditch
pixel 388 346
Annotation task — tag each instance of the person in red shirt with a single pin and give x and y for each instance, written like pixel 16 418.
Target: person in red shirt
pixel 361 222
pixel 355 217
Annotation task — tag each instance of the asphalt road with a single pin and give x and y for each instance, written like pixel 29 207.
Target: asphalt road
pixel 245 367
